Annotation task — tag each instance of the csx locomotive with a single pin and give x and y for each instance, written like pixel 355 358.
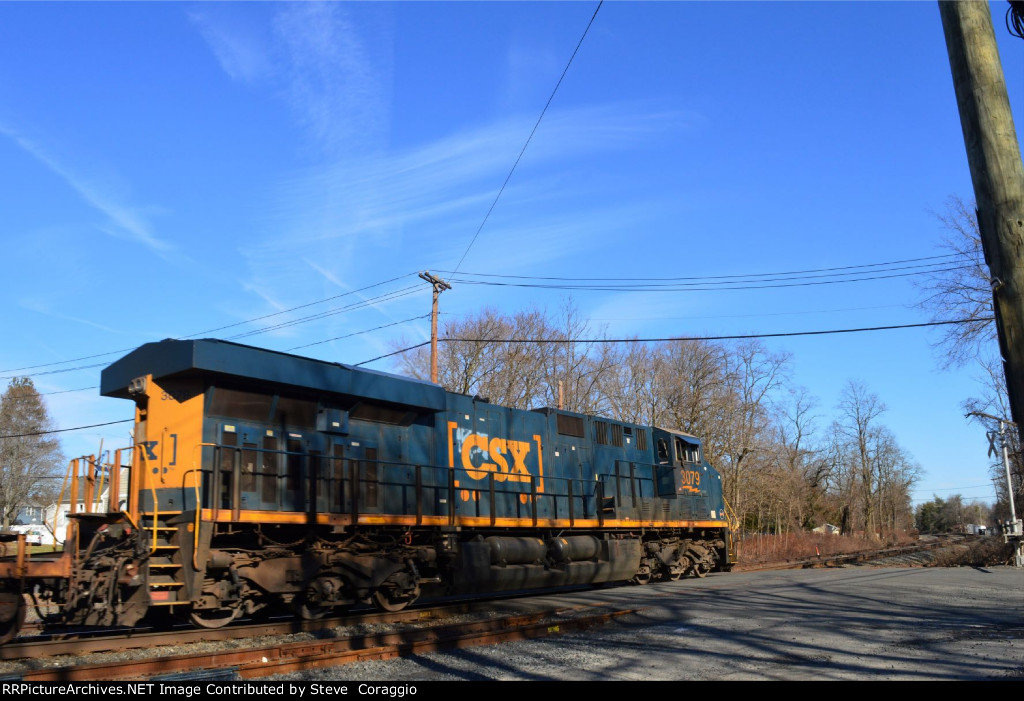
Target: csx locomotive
pixel 259 479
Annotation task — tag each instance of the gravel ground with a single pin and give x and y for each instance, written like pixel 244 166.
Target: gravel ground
pixel 840 624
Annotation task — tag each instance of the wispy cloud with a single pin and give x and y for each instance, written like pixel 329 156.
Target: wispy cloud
pixel 374 216
pixel 240 48
pixel 41 307
pixel 124 220
pixel 333 76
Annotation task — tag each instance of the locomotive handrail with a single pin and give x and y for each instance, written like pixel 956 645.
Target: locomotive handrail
pixel 636 489
pixel 60 500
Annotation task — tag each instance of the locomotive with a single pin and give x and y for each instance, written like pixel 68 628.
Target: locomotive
pixel 259 480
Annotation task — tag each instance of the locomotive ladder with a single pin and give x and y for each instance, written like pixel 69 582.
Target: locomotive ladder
pixel 165 566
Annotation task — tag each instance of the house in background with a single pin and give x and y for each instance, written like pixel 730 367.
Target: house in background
pixel 827 529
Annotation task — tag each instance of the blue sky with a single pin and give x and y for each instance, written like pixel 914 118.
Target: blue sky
pixel 171 168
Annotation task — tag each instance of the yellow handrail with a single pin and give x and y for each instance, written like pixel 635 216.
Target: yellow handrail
pixel 734 523
pixel 198 472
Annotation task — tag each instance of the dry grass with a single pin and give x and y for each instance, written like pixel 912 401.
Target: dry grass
pixel 976 552
pixel 797 546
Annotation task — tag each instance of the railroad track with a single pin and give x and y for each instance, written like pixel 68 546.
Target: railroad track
pixel 422 630
pixel 254 661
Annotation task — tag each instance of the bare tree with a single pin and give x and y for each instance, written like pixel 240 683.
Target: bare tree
pixel 753 376
pixel 860 408
pixel 576 365
pixel 29 458
pixel 961 289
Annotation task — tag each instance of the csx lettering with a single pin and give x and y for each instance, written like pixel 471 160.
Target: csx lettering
pixel 498 450
pixel 149 446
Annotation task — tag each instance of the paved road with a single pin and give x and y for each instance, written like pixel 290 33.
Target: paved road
pixel 851 623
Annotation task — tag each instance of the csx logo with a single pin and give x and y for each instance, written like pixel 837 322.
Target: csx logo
pixel 481 456
pixel 690 482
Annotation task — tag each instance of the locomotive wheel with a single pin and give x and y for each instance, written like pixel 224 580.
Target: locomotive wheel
pixel 214 618
pixel 675 575
pixel 311 612
pixel 641 578
pixel 700 569
pixel 386 600
pixel 9 629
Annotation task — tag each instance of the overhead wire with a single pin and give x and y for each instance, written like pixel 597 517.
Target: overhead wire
pixel 693 287
pixel 411 289
pixel 596 340
pixel 683 338
pixel 529 138
pixel 357 333
pixel 207 331
pixel 719 277
pixel 65 430
pixel 387 297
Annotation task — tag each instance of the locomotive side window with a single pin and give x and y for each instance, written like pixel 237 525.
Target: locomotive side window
pixel 240 405
pixel 570 425
pixel 368 411
pixel 662 451
pixel 686 452
pixel 295 412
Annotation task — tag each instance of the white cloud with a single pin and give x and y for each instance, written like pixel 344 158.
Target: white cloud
pixel 333 76
pixel 240 50
pixel 124 220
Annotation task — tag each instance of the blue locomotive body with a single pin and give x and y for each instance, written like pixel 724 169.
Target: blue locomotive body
pixel 259 478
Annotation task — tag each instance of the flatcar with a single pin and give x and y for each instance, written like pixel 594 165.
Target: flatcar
pixel 260 480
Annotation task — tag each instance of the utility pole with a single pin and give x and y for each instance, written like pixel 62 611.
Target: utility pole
pixel 439 286
pixel 998 176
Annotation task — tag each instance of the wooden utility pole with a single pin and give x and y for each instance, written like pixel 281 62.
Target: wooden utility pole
pixel 997 174
pixel 439 286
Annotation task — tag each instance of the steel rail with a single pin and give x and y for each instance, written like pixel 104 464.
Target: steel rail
pixel 278 658
pixel 84 642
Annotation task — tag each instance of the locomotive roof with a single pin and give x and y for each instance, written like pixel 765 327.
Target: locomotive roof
pixel 214 357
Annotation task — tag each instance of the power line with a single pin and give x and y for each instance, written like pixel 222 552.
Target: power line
pixel 742 316
pixel 386 297
pixel 715 338
pixel 952 489
pixel 680 338
pixel 719 277
pixel 56 372
pixel 301 306
pixel 357 333
pixel 692 287
pixel 529 138
pixel 201 333
pixel 46 394
pixel 64 430
pixel 403 350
